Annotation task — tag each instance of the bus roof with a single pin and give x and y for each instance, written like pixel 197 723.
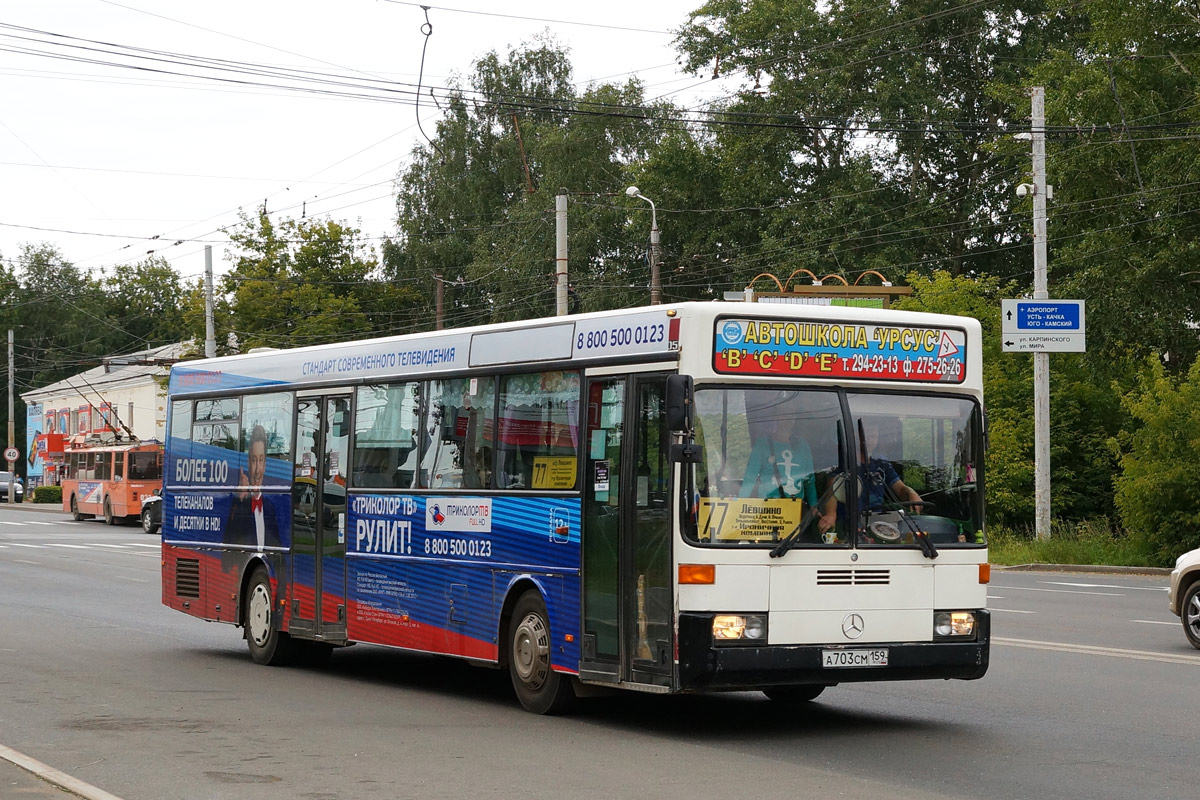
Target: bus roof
pixel 644 333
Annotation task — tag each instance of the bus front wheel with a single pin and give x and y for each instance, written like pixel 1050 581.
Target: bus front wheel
pixel 539 688
pixel 75 513
pixel 109 519
pixel 268 645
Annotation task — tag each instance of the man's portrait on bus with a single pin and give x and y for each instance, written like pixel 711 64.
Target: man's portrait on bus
pixel 253 517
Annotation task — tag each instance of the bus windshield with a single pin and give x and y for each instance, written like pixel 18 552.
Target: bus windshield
pixel 774 460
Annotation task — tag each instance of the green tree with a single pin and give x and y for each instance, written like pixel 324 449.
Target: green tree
pixel 1125 225
pixel 476 205
pixel 863 135
pixel 1086 412
pixel 301 282
pixel 146 300
pixel 1157 492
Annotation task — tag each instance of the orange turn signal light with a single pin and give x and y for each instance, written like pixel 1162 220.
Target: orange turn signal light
pixel 697 573
pixel 985 573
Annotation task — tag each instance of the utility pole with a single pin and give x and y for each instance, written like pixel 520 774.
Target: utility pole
pixel 438 295
pixel 1041 360
pixel 210 339
pixel 560 255
pixel 11 380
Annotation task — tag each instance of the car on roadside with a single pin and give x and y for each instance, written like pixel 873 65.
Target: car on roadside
pixel 152 512
pixel 1184 595
pixel 18 487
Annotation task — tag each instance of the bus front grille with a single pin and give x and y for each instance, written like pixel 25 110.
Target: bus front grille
pixel 853 577
pixel 187 577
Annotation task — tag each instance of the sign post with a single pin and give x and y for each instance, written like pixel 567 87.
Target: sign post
pixel 11 454
pixel 1043 326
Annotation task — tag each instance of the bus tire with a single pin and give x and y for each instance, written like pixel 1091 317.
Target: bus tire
pixel 148 523
pixel 75 513
pixel 539 688
pixel 794 694
pixel 268 645
pixel 109 519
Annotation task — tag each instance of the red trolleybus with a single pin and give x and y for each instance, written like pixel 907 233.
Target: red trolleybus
pixel 692 498
pixel 111 480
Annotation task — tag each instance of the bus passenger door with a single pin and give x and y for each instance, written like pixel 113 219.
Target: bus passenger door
pixel 627 596
pixel 602 530
pixel 319 517
pixel 650 601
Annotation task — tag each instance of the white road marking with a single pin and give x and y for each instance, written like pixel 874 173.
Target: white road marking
pixel 1010 610
pixel 1105 586
pixel 1062 591
pixel 72 546
pixel 6 522
pixel 1114 652
pixel 1154 621
pixel 41 523
pixel 144 544
pixel 23 561
pixel 994 597
pixel 23 544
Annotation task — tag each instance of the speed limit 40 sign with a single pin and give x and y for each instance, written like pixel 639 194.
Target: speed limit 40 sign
pixel 11 454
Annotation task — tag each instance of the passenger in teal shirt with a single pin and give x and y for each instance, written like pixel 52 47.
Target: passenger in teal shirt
pixel 781 465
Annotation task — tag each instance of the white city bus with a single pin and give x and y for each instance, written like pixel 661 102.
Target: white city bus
pixel 688 498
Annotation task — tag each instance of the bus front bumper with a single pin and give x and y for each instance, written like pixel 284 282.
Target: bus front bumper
pixel 705 667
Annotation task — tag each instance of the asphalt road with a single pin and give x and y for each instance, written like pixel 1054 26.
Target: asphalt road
pixel 1090 695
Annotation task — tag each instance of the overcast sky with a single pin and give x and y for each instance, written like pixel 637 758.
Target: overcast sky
pixel 98 159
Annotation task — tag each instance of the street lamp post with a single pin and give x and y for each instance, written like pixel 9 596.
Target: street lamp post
pixel 655 279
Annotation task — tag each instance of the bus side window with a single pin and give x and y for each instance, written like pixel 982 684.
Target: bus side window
pixel 385 426
pixel 539 430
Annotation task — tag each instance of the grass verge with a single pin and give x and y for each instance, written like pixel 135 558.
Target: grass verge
pixel 1093 541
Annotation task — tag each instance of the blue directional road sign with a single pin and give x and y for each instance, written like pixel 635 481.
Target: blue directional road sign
pixel 1054 326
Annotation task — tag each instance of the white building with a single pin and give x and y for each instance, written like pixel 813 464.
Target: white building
pixel 127 391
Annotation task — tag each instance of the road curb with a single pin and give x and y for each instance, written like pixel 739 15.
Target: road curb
pixel 41 507
pixel 1096 568
pixel 53 776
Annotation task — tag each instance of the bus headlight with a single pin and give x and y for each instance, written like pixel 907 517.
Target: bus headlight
pixel 953 624
pixel 740 628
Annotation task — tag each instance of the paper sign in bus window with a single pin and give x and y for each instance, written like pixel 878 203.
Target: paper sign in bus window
pixel 742 519
pixel 554 472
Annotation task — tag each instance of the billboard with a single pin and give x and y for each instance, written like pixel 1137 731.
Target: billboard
pixel 33 431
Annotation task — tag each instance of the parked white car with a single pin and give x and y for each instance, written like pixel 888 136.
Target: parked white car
pixel 1184 595
pixel 18 487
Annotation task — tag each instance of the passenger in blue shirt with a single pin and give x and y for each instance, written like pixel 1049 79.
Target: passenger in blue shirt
pixel 781 465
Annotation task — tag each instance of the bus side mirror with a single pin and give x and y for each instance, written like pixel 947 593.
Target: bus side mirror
pixel 679 403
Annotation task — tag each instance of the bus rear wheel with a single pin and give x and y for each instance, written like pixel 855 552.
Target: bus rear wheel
pixel 268 645
pixel 75 513
pixel 539 688
pixel 109 519
pixel 794 694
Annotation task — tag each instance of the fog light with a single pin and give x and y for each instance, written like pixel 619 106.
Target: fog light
pixel 739 627
pixel 953 624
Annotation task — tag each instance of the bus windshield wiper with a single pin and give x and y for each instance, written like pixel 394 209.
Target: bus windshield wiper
pixel 787 542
